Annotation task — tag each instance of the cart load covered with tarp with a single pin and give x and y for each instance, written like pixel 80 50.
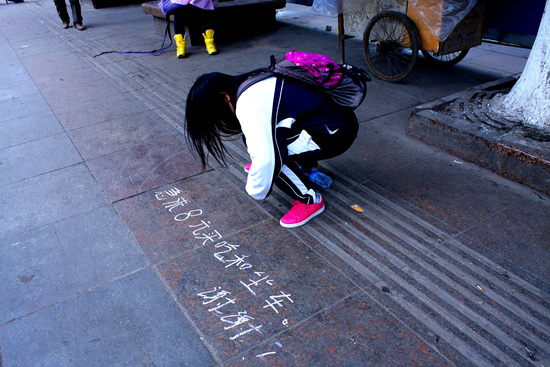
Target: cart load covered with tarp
pixel 393 31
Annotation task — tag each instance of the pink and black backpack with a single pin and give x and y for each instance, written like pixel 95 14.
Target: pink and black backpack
pixel 346 84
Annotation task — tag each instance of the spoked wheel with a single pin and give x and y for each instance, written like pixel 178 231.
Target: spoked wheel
pixel 445 60
pixel 390 44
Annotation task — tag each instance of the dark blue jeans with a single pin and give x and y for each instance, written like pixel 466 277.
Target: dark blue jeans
pixel 62 11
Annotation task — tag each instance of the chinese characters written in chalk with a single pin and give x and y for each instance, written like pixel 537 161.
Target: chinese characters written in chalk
pixel 218 301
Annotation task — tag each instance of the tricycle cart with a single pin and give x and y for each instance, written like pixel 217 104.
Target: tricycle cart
pixel 443 30
pixel 392 39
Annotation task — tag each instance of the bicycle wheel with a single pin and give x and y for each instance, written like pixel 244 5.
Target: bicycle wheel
pixel 390 44
pixel 445 60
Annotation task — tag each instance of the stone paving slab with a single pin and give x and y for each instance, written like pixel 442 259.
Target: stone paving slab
pixel 23 106
pixel 379 150
pixel 450 293
pixel 17 89
pixel 34 273
pixel 23 31
pixel 38 46
pixel 98 248
pixel 6 51
pixel 28 128
pixel 442 81
pixel 439 294
pixel 48 198
pixel 493 56
pixel 88 113
pixel 523 227
pixel 52 62
pixel 158 218
pixel 117 135
pixel 386 219
pixel 153 163
pixel 65 79
pixel 37 157
pixel 355 332
pixel 437 184
pixel 130 322
pixel 72 93
pixel 249 287
pixel 17 73
pixel 385 103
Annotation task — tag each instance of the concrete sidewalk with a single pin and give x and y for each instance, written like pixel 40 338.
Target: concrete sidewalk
pixel 116 249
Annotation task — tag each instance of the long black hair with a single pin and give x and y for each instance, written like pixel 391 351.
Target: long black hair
pixel 209 120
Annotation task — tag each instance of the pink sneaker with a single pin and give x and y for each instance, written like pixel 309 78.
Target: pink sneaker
pixel 247 167
pixel 301 213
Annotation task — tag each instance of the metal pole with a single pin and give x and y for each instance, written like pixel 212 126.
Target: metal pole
pixel 341 37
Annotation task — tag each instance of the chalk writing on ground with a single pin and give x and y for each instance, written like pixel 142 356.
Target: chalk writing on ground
pixel 237 323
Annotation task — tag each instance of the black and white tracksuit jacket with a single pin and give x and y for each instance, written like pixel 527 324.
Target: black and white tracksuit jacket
pixel 286 125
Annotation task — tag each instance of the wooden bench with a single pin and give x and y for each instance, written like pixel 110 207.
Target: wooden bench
pixel 233 19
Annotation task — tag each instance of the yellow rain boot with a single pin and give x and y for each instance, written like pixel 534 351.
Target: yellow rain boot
pixel 181 45
pixel 209 42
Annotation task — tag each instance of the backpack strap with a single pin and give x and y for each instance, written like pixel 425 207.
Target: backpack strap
pixel 255 78
pixel 272 61
pixel 329 74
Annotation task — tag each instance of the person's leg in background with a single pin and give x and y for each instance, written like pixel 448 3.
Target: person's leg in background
pixel 77 14
pixel 61 7
pixel 206 20
pixel 180 36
